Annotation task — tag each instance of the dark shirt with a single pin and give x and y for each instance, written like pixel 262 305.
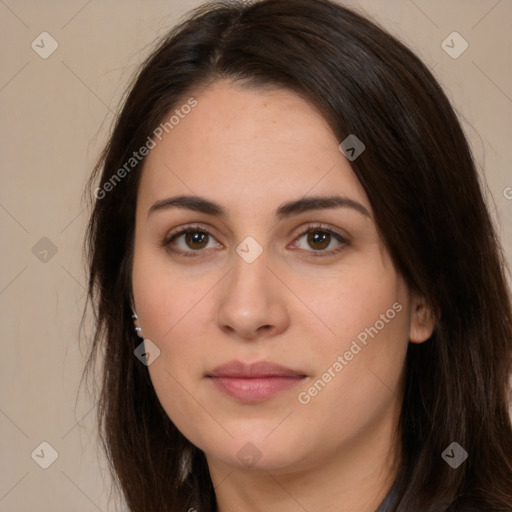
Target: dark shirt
pixel 392 496
pixel 389 500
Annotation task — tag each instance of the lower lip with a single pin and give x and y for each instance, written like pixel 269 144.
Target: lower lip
pixel 255 389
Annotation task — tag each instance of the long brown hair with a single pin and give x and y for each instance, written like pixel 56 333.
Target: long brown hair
pixel 420 178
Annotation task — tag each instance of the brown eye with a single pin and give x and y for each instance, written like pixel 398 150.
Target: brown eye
pixel 196 239
pixel 191 241
pixel 319 240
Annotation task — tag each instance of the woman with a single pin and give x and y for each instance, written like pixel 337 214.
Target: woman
pixel 289 213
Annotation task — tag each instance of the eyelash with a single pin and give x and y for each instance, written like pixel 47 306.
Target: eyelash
pixel 166 242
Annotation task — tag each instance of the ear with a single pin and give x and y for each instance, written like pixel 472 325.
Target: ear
pixel 422 320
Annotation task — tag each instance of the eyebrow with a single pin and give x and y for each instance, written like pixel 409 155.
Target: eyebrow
pixel 305 204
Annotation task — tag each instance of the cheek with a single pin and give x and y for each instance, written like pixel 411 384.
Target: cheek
pixel 358 382
pixel 358 301
pixel 170 310
pixel 177 318
pixel 167 296
pixel 361 355
pixel 177 327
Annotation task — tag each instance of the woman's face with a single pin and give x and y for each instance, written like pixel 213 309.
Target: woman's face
pixel 269 272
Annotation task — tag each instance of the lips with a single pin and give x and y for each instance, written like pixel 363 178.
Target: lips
pixel 254 382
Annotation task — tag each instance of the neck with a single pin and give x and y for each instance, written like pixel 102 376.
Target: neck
pixel 356 476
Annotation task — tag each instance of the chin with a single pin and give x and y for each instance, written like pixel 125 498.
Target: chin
pixel 257 453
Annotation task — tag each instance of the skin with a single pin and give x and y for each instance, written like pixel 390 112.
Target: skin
pixel 250 151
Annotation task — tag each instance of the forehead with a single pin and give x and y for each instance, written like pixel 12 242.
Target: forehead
pixel 247 148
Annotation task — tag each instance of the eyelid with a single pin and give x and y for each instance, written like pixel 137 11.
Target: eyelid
pixel 320 226
pixel 186 227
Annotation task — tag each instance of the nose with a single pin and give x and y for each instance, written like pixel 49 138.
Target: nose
pixel 252 301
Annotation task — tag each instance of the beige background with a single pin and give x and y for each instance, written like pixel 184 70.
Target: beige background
pixel 56 113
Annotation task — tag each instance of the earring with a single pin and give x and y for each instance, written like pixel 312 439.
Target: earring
pixel 138 329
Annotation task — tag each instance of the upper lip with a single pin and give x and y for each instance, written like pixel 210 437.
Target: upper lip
pixel 253 370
